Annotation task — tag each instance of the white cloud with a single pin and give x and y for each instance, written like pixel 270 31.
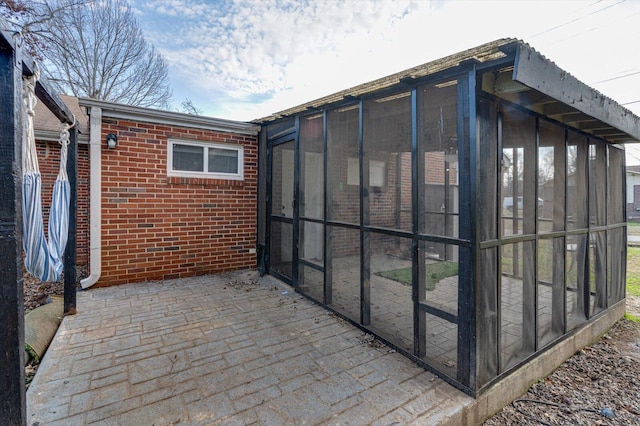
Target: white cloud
pixel 245 59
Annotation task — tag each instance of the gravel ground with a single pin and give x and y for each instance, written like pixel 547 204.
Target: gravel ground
pixel 38 293
pixel 605 375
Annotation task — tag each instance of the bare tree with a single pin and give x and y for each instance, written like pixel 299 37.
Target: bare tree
pixel 28 17
pixel 96 49
pixel 188 107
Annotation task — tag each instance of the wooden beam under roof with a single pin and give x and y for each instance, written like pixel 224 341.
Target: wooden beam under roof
pixel 534 70
pixel 556 108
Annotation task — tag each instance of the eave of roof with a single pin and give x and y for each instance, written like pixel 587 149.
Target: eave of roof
pixel 45 122
pixel 546 88
pixel 169 118
pixel 633 169
pixel 601 116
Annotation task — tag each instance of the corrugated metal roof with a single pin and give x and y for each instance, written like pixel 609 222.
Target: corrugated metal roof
pixel 486 52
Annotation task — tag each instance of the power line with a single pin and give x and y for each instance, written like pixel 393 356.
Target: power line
pixel 617 78
pixel 576 19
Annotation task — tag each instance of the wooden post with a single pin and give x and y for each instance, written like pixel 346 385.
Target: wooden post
pixel 71 248
pixel 13 407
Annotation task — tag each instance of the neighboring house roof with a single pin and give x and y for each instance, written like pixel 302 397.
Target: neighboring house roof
pixel 524 76
pixel 47 126
pixel 169 118
pixel 635 170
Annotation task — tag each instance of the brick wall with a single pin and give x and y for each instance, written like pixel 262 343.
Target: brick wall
pixel 158 227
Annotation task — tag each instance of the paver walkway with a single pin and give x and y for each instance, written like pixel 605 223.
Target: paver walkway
pixel 225 349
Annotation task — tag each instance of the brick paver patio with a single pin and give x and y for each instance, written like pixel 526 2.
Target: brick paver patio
pixel 225 349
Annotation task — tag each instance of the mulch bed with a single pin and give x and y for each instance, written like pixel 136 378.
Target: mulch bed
pixel 603 377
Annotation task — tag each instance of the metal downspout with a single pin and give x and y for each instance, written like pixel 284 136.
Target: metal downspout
pixel 95 208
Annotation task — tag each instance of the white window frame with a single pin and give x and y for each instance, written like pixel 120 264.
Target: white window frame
pixel 377 172
pixel 203 174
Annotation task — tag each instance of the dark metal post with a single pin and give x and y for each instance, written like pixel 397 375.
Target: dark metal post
pixel 13 406
pixel 468 263
pixel 365 236
pixel 417 226
pixel 261 225
pixel 328 205
pixel 72 245
pixel 295 244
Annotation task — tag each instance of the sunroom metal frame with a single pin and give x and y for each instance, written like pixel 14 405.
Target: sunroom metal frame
pixel 508 71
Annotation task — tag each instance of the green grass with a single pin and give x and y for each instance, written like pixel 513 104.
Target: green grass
pixel 633 271
pixel 633 228
pixel 631 317
pixel 435 273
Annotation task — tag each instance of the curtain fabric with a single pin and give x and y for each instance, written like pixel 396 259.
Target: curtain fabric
pixel 42 259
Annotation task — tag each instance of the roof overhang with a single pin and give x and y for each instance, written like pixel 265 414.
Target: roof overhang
pixel 511 70
pixel 572 102
pixel 168 118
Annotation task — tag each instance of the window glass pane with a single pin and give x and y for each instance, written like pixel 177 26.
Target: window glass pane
pixel 597 183
pixel 343 196
pixel 518 173
pixel 616 206
pixel 223 160
pixel 311 282
pixel 598 271
pixel 440 296
pixel 487 327
pixel 577 181
pixel 488 169
pixel 550 290
pixel 343 271
pixel 617 258
pixel 281 248
pixel 387 154
pixel 551 173
pixel 576 280
pixel 438 151
pixel 391 289
pixel 517 312
pixel 282 180
pixel 311 167
pixel 188 158
pixel 311 249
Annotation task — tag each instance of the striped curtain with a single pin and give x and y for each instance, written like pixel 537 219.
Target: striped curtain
pixel 43 259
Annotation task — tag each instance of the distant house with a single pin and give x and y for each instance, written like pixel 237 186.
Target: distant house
pixel 633 193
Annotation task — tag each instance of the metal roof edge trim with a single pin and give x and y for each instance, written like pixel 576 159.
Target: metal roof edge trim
pixel 537 72
pixel 150 115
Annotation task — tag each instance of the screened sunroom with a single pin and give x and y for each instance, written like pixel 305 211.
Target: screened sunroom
pixel 470 211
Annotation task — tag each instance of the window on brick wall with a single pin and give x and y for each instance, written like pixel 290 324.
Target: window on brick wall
pixel 201 159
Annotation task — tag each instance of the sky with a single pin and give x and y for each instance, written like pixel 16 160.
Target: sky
pixel 243 59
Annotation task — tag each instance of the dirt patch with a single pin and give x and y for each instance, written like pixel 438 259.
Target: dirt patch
pixel 603 378
pixel 38 293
